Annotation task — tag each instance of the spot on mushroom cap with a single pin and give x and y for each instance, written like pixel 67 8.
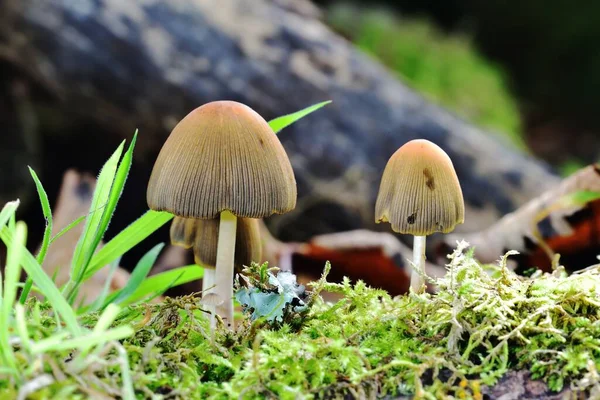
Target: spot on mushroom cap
pixel 222 156
pixel 204 239
pixel 420 193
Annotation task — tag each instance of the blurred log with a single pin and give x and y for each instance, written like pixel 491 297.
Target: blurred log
pixel 115 66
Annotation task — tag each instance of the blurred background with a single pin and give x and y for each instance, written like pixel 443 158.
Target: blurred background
pixel 75 80
pixel 526 70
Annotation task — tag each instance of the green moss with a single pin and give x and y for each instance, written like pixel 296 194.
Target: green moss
pixel 483 322
pixel 446 68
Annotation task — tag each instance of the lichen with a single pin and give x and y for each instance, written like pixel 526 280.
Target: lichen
pixel 483 322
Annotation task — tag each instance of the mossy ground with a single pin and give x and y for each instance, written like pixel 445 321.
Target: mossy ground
pixel 483 322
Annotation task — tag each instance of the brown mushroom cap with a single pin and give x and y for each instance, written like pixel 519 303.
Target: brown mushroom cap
pixel 420 193
pixel 203 235
pixel 222 156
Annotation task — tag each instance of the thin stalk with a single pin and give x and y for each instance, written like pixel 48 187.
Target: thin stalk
pixel 208 281
pixel 224 270
pixel 417 277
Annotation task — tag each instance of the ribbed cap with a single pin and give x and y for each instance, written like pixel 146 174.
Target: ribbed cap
pixel 222 156
pixel 420 193
pixel 203 236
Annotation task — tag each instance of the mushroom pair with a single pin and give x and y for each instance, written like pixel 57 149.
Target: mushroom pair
pixel 419 195
pixel 222 161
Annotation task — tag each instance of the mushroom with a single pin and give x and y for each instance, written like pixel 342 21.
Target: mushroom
pixel 222 161
pixel 420 194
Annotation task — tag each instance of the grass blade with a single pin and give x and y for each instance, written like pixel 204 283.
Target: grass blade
pixel 100 302
pixel 43 282
pixel 89 238
pixel 127 239
pixel 81 342
pixel 47 216
pixel 116 190
pixel 68 228
pixel 46 210
pixel 159 283
pixel 8 211
pixel 284 121
pixel 139 273
pixel 12 273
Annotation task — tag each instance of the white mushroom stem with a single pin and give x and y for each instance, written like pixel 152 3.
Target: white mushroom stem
pixel 417 277
pixel 224 270
pixel 208 281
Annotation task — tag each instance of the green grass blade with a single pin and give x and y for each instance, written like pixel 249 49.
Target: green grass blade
pixel 12 273
pixel 68 228
pixel 81 342
pixel 139 273
pixel 116 190
pixel 284 121
pixel 46 210
pixel 86 245
pixel 100 302
pixel 43 282
pixel 159 283
pixel 47 216
pixel 8 211
pixel 127 239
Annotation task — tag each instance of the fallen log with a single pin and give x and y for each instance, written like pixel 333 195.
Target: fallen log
pixel 108 67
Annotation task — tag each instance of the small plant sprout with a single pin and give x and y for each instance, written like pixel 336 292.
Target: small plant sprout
pixel 419 195
pixel 223 161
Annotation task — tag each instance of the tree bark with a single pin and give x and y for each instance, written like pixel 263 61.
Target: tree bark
pixel 108 67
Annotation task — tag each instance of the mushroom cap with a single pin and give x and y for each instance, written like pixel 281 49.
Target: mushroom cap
pixel 203 236
pixel 222 156
pixel 420 193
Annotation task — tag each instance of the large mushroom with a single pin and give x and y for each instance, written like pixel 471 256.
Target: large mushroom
pixel 223 161
pixel 419 195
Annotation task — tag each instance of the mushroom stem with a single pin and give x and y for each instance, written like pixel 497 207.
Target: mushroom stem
pixel 208 283
pixel 224 267
pixel 417 277
pixel 208 280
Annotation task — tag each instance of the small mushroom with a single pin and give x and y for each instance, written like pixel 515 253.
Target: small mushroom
pixel 223 161
pixel 420 194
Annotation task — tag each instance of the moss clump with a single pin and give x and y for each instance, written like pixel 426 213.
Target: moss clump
pixel 483 322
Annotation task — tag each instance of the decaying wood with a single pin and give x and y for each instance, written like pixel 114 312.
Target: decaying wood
pixel 74 201
pixel 572 230
pixel 116 65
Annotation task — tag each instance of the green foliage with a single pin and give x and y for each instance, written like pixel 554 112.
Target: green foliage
pixel 445 68
pixel 484 321
pixel 46 346
pixel 108 191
